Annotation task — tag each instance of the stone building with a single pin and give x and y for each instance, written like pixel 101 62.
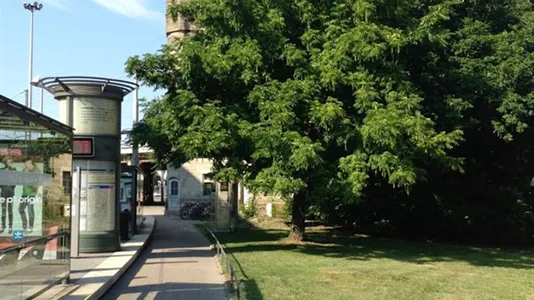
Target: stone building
pixel 180 28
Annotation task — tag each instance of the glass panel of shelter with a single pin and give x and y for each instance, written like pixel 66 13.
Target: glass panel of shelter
pixel 33 162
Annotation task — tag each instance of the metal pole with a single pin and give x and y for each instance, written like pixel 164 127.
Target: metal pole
pixel 71 111
pixel 26 133
pixel 30 63
pixel 41 102
pixel 136 103
pixel 75 214
pixel 135 147
pixel 26 97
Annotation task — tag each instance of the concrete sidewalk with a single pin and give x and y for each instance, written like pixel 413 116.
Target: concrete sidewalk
pixel 178 264
pixel 93 274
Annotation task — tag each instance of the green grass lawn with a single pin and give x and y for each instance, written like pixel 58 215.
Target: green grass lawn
pixel 370 268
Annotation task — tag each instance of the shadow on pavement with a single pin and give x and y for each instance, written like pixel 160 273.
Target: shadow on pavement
pixel 170 291
pixel 176 264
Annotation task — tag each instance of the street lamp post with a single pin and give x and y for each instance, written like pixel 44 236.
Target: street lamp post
pixel 31 7
pixel 36 82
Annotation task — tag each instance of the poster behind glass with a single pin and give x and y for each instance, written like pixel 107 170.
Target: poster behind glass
pixel 21 195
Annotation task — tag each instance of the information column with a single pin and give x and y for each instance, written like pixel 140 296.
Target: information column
pixel 92 106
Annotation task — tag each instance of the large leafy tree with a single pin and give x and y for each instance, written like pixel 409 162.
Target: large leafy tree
pixel 303 96
pixel 488 62
pixel 477 77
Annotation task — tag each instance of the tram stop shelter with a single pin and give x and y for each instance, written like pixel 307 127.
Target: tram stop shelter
pixel 35 189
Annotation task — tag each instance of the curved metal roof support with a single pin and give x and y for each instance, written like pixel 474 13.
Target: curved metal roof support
pixel 87 86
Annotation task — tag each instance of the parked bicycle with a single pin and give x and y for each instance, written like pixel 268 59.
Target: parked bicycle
pixel 197 211
pixel 185 209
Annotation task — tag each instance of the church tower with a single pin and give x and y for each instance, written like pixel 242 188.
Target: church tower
pixel 180 28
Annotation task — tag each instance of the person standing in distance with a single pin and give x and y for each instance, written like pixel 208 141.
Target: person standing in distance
pixel 7 197
pixel 29 193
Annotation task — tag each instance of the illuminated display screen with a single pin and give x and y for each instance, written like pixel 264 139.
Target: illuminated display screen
pixel 82 146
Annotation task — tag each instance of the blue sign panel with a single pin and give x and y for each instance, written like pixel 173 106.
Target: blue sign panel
pixel 18 235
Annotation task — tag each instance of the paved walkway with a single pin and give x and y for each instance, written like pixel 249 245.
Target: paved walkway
pixel 177 264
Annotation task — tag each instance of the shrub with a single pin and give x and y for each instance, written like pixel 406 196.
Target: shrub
pixel 281 211
pixel 249 210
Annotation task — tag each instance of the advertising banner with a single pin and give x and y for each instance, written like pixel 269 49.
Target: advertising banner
pixel 21 200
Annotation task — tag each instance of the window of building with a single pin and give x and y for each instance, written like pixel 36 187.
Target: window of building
pixel 224 186
pixel 174 188
pixel 66 180
pixel 209 188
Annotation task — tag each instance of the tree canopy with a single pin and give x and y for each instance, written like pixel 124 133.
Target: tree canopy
pixel 324 101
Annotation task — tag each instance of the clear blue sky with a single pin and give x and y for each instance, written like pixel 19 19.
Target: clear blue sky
pixel 77 37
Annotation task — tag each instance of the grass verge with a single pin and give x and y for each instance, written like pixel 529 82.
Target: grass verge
pixel 337 266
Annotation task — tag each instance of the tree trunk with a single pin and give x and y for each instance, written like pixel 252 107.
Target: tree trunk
pixel 235 215
pixel 298 217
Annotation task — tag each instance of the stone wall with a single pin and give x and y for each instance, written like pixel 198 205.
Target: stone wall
pixel 191 176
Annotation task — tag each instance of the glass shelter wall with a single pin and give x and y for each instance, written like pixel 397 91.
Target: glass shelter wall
pixel 35 189
pixel 131 193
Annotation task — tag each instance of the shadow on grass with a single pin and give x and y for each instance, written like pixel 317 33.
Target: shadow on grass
pixel 251 290
pixel 329 244
pixel 248 288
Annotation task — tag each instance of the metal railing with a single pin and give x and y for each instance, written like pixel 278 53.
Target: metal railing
pixel 33 242
pixel 226 264
pixel 15 269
